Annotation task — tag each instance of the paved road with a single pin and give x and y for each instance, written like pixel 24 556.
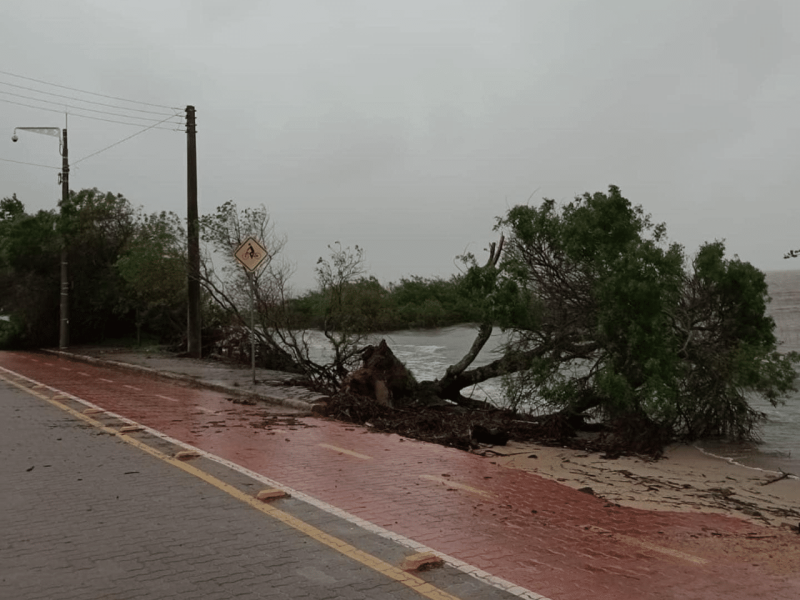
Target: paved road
pixel 84 514
pixel 512 526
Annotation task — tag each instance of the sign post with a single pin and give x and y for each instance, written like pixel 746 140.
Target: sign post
pixel 251 254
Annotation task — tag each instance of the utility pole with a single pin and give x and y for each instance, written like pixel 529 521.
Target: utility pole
pixel 63 179
pixel 193 230
pixel 63 330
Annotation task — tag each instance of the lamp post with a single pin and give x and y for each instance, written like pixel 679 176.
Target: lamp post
pixel 61 134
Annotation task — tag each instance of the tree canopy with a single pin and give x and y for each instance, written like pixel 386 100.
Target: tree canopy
pixel 610 321
pixel 126 270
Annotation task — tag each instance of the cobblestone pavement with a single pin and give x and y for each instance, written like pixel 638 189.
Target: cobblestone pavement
pixel 85 515
pixel 532 532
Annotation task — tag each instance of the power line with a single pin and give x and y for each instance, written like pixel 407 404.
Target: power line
pixel 23 87
pixel 19 162
pixel 87 92
pixel 118 143
pixel 94 110
pixel 60 112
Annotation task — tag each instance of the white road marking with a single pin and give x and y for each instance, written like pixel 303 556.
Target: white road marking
pixel 345 451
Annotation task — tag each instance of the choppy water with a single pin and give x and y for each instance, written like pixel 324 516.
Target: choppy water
pixel 427 353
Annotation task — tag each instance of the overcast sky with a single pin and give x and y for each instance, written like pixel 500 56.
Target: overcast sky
pixel 407 127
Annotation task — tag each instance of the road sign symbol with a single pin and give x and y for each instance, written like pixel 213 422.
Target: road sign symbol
pixel 250 254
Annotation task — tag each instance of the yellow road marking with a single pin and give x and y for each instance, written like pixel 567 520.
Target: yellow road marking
pixel 345 451
pixel 454 484
pixel 372 562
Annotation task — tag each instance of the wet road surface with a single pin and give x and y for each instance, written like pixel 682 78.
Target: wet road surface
pixel 514 525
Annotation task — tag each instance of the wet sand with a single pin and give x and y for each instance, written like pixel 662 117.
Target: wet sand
pixel 688 479
pixel 685 480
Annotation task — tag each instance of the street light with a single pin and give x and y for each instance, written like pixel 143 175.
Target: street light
pixel 61 134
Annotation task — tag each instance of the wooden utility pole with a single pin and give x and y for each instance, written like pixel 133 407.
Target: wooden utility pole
pixel 63 330
pixel 193 230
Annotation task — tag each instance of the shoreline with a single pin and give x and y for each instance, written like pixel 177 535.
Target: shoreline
pixel 686 479
pixel 742 465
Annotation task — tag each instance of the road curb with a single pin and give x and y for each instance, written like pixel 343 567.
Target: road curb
pixel 288 402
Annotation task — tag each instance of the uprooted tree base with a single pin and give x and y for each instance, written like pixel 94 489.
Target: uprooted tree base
pixel 465 429
pixel 383 395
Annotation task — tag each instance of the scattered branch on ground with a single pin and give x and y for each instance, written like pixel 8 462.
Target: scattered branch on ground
pixel 784 475
pixel 456 427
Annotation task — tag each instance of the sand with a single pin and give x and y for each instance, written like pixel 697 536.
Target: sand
pixel 685 480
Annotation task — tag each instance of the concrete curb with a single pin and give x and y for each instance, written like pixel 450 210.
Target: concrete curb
pixel 288 402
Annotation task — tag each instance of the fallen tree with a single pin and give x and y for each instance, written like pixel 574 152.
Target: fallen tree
pixel 606 322
pixel 609 322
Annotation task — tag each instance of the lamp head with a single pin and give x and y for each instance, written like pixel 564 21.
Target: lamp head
pixel 14 138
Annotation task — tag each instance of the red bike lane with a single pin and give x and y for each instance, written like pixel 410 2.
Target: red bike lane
pixel 534 532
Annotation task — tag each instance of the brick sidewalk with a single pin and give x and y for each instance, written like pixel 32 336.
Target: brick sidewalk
pixel 85 515
pixel 536 533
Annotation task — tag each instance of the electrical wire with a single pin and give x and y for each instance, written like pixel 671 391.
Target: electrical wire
pixel 61 112
pixel 118 143
pixel 94 110
pixel 156 125
pixel 19 162
pixel 30 89
pixel 87 92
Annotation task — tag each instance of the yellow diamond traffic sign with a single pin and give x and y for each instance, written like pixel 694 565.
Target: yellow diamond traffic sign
pixel 250 254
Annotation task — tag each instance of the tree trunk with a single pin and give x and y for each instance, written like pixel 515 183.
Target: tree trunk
pixel 382 377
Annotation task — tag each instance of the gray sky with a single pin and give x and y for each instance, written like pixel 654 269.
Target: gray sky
pixel 407 126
